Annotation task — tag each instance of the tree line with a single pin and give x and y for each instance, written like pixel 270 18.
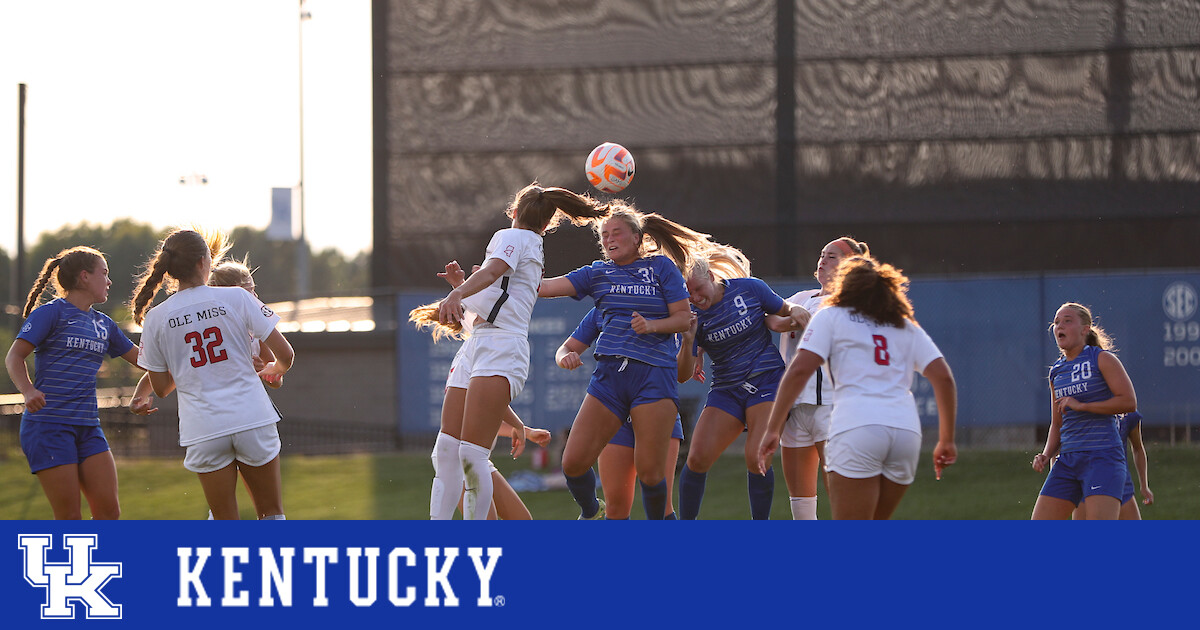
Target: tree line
pixel 127 244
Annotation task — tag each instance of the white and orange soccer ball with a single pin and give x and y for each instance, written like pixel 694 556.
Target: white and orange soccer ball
pixel 609 167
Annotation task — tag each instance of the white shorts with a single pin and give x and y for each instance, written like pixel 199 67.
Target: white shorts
pixel 253 447
pixel 460 367
pixel 806 425
pixel 872 450
pixel 501 354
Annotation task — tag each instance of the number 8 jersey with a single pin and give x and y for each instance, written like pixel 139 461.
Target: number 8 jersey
pixel 871 366
pixel 199 335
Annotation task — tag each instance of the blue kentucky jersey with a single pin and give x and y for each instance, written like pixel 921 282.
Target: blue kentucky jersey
pixel 1081 380
pixel 69 347
pixel 1125 424
pixel 589 327
pixel 645 286
pixel 734 332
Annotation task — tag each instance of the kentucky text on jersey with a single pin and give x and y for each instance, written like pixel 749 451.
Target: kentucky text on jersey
pixel 729 331
pixel 91 345
pixel 358 568
pixel 1070 390
pixel 635 289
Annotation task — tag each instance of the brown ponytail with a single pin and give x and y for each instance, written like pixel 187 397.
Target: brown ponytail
pixel 544 209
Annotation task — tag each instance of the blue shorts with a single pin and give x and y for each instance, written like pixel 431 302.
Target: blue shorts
pixel 759 388
pixel 1080 474
pixel 624 436
pixel 50 444
pixel 621 384
pixel 1127 494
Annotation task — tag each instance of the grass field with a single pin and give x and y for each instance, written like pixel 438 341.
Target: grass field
pixel 983 485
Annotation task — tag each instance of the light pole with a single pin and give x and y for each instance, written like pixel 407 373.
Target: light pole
pixel 302 254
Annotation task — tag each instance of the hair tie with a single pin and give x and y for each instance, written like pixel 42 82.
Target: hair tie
pixel 846 249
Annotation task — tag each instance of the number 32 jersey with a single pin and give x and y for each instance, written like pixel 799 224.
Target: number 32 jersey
pixel 199 335
pixel 871 366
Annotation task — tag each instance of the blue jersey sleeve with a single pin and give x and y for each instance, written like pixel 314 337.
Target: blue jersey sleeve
pixel 39 324
pixel 118 343
pixel 770 300
pixel 589 328
pixel 673 284
pixel 581 279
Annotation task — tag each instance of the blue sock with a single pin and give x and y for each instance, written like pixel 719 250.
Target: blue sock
pixel 583 489
pixel 691 493
pixel 762 491
pixel 654 500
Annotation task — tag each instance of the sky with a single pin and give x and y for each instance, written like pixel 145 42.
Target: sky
pixel 127 98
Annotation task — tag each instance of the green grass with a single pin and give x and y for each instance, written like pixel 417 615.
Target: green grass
pixel 983 485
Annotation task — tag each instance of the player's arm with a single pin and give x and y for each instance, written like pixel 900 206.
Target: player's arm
pixel 685 360
pixel 450 309
pixel 1052 436
pixel 791 317
pixel 1141 464
pixel 285 357
pixel 567 355
pixel 18 372
pixel 162 382
pixel 678 320
pixel 945 394
pixel 556 287
pixel 795 377
pixel 516 431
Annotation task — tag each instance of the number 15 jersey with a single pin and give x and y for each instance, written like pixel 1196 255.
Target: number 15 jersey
pixel 871 366
pixel 199 335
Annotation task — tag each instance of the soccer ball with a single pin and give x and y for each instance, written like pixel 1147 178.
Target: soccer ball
pixel 609 167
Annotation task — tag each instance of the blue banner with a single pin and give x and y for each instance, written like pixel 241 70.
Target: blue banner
pixel 314 574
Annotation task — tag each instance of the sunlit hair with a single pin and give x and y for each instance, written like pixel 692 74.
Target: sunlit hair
pixel 656 234
pixel 425 317
pixel 232 273
pixel 176 259
pixel 873 289
pixel 724 261
pixel 544 208
pixel 1095 335
pixel 63 273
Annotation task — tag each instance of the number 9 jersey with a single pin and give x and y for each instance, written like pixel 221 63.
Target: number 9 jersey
pixel 199 335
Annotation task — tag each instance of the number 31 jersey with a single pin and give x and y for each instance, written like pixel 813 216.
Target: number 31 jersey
pixel 199 335
pixel 871 366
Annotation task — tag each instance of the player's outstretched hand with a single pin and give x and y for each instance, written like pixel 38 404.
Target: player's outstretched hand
pixel 141 406
pixel 541 437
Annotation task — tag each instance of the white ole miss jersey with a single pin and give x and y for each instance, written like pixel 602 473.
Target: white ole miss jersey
pixel 507 304
pixel 818 390
pixel 871 366
pixel 199 335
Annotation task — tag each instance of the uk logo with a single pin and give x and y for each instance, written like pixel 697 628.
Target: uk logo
pixel 79 580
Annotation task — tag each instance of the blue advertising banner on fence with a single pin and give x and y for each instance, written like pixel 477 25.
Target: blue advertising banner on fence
pixel 326 574
pixel 992 330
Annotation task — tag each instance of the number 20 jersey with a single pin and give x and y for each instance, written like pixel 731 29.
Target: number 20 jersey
pixel 871 366
pixel 199 335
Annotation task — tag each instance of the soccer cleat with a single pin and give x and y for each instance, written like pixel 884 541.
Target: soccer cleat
pixel 598 516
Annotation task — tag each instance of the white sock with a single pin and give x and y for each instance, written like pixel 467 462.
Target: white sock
pixel 803 508
pixel 273 517
pixel 447 478
pixel 477 476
